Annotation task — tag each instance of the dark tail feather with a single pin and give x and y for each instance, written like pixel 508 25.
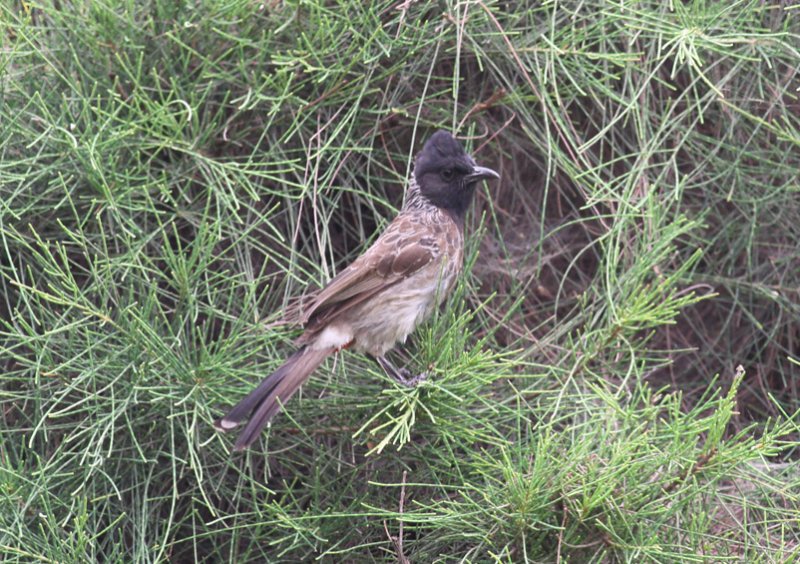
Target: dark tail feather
pixel 262 403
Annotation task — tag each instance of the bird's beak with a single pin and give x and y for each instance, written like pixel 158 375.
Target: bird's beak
pixel 480 173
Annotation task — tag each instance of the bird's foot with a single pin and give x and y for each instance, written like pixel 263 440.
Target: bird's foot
pixel 404 377
pixel 401 375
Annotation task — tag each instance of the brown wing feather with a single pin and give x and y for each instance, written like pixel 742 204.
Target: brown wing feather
pixel 399 252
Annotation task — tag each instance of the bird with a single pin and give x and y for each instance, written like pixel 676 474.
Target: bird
pixel 385 293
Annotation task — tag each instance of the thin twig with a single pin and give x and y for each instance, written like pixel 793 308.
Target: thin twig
pixel 400 555
pixel 398 540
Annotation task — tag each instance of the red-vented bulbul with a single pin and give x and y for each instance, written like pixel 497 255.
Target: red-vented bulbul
pixel 386 292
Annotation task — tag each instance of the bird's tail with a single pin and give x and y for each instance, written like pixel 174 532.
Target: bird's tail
pixel 266 400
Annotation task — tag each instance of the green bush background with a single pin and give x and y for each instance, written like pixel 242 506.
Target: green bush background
pixel 616 379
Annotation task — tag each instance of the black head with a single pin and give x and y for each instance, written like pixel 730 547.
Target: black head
pixel 447 175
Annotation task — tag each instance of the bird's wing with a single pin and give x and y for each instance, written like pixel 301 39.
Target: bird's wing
pixel 404 248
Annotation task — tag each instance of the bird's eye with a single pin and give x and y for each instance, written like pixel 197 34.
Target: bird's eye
pixel 447 174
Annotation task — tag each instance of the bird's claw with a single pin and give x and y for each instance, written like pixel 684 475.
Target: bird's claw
pixel 405 378
pixel 401 375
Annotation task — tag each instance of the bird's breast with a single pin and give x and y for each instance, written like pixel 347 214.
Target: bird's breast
pixel 391 316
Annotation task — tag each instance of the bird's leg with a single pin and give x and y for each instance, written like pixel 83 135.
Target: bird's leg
pixel 402 375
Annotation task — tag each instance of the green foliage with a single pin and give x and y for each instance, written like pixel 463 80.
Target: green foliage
pixel 614 379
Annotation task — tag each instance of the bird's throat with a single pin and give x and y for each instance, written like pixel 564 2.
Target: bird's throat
pixel 456 205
